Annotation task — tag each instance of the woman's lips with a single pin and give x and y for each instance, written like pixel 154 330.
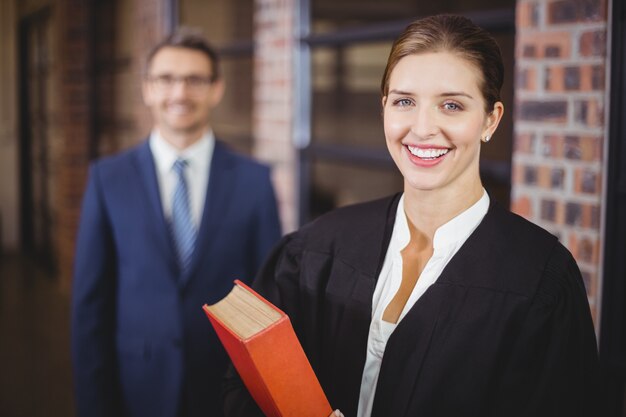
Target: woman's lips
pixel 426 156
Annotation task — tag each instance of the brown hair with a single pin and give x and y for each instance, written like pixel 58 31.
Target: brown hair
pixel 190 38
pixel 455 34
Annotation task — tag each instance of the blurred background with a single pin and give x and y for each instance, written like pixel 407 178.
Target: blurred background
pixel 303 95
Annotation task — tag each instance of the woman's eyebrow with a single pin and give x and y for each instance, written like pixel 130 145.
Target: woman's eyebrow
pixel 445 94
pixel 456 94
pixel 400 92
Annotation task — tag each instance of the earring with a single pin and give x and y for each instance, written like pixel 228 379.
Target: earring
pixel 487 138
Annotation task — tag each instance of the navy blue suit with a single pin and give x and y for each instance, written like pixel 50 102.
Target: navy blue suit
pixel 141 344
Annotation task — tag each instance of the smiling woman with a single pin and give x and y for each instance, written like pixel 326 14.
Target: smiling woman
pixel 436 301
pixel 434 122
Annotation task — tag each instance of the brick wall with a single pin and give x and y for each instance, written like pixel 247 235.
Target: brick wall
pixel 77 102
pixel 74 120
pixel 9 153
pixel 560 125
pixel 273 100
pixel 149 27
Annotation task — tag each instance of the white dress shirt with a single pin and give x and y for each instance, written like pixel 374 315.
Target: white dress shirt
pixel 198 157
pixel 446 242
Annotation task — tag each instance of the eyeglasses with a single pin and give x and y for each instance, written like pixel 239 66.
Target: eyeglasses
pixel 167 81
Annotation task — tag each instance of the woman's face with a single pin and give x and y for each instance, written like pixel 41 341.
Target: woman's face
pixel 434 116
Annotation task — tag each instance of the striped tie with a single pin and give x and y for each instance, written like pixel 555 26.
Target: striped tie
pixel 182 227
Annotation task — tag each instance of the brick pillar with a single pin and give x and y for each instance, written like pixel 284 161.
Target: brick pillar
pixel 78 96
pixel 560 125
pixel 9 146
pixel 75 124
pixel 273 109
pixel 151 23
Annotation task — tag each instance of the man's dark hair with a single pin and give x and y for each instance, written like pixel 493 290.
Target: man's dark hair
pixel 190 38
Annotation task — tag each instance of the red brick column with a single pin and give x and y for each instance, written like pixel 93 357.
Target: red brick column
pixel 560 125
pixel 150 17
pixel 273 110
pixel 78 95
pixel 75 121
pixel 9 145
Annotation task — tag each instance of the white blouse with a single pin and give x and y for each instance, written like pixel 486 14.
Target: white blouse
pixel 446 242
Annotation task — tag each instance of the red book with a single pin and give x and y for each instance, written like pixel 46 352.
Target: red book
pixel 266 352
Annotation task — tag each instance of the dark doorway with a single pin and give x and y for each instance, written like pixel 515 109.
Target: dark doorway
pixel 613 328
pixel 35 146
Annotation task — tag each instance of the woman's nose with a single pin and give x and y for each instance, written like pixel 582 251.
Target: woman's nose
pixel 424 123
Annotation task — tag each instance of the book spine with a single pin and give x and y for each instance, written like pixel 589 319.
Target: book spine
pixel 241 358
pixel 287 372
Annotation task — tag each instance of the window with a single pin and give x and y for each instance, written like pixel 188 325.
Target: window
pixel 346 159
pixel 228 26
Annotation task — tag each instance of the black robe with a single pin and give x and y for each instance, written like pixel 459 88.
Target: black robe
pixel 504 331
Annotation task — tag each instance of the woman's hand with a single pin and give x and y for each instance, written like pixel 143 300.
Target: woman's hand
pixel 336 413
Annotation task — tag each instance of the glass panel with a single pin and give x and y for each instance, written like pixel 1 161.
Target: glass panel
pixel 330 15
pixel 223 21
pixel 232 119
pixel 335 184
pixel 346 108
pixel 228 23
pixel 346 95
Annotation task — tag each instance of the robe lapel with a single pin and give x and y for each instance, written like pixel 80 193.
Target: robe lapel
pixel 404 355
pixel 147 172
pixel 216 205
pixel 410 342
pixel 365 253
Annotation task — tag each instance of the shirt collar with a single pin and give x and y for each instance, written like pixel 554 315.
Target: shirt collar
pixel 401 235
pixel 455 230
pixel 461 226
pixel 165 154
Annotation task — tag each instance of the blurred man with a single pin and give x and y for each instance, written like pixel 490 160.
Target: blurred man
pixel 165 228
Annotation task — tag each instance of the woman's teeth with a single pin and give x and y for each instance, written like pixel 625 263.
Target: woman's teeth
pixel 432 153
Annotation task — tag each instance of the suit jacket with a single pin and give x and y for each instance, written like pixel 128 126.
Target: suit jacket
pixel 141 343
pixel 504 331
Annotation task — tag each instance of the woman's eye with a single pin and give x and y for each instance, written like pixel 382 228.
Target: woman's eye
pixel 403 102
pixel 450 106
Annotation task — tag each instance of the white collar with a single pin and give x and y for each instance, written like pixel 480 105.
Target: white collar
pixel 455 230
pixel 165 154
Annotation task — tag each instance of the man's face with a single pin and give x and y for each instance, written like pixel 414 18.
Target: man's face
pixel 181 94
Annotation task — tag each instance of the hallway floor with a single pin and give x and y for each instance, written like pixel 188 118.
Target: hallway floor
pixel 35 375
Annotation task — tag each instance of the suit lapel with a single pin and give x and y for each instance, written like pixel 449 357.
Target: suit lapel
pixel 147 172
pixel 216 204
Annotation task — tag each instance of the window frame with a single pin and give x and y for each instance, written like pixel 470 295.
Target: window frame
pixel 494 20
